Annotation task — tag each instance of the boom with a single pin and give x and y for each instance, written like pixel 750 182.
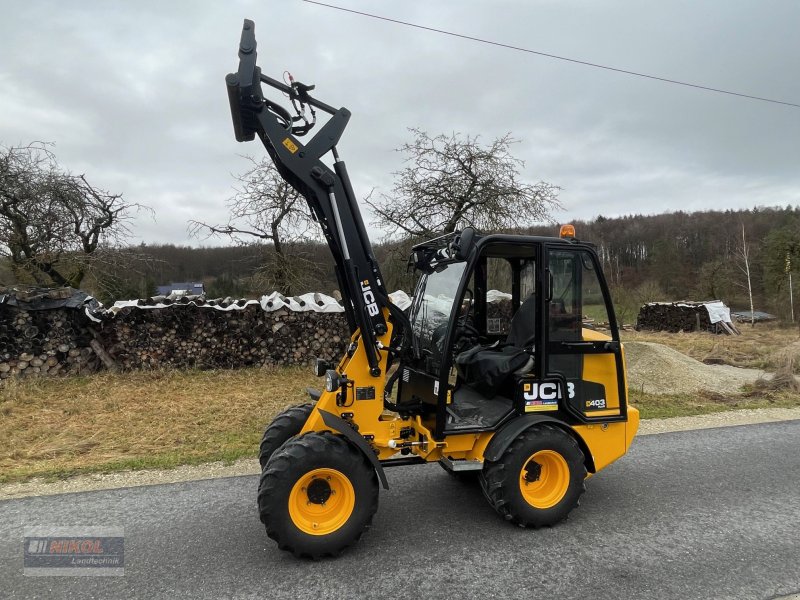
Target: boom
pixel 328 191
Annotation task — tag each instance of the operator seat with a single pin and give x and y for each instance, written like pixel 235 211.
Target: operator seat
pixel 522 332
pixel 486 368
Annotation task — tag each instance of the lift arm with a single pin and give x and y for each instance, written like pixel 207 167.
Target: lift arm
pixel 328 191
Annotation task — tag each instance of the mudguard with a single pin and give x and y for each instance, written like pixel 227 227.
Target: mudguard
pixel 503 438
pixel 341 426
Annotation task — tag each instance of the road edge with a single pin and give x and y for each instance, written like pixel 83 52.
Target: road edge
pixel 249 466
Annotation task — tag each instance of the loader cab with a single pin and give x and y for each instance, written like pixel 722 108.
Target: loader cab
pixel 503 326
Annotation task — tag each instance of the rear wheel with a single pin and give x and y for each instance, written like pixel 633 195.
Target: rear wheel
pixel 538 480
pixel 283 427
pixel 317 495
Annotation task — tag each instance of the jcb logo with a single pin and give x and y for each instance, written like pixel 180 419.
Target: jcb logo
pixel 546 391
pixel 369 298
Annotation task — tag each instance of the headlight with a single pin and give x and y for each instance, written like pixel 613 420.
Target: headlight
pixel 332 381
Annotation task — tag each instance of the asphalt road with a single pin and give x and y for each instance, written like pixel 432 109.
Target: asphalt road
pixel 697 514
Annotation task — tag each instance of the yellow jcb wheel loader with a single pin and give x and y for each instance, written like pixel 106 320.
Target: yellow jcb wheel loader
pixel 491 371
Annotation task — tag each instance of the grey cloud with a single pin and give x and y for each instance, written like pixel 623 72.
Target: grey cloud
pixel 133 95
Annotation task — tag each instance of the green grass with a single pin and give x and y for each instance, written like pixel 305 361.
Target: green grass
pixel 663 406
pixel 55 428
pixel 166 460
pixel 596 312
pixel 112 422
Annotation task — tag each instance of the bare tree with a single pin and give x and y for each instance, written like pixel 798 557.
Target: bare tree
pixel 55 226
pixel 453 181
pixel 743 262
pixel 267 210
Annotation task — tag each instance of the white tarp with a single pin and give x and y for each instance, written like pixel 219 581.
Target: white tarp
pixel 135 304
pixel 307 302
pixel 400 299
pixel 717 312
pixel 497 296
pixel 315 302
pixel 441 304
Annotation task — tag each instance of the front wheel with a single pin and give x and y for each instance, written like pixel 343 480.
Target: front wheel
pixel 317 495
pixel 538 480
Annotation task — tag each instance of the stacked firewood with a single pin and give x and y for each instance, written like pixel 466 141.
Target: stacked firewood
pixel 63 332
pixel 498 315
pixel 191 336
pixel 674 317
pixel 44 342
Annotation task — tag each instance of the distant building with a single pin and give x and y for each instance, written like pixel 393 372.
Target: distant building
pixel 182 288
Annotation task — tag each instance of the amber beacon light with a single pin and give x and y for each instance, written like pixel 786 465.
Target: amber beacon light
pixel 567 231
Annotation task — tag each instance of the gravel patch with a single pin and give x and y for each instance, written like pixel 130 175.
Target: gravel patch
pixel 123 479
pixel 659 369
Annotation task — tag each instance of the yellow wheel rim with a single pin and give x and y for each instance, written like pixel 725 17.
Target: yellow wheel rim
pixel 321 501
pixel 544 479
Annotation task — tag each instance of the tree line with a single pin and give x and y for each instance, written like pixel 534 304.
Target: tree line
pixel 698 256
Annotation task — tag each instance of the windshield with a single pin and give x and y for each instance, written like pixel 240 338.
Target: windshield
pixel 430 313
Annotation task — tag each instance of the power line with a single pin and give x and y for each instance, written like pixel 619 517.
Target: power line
pixel 555 56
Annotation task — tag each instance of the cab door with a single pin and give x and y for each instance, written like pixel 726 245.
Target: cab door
pixel 586 361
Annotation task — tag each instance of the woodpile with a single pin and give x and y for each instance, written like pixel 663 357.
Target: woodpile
pixel 192 336
pixel 63 332
pixel 44 342
pixel 498 315
pixel 673 317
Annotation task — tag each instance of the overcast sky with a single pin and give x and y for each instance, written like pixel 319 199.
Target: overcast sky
pixel 132 94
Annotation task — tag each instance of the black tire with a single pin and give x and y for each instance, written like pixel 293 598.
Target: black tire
pixel 502 481
pixel 283 427
pixel 296 464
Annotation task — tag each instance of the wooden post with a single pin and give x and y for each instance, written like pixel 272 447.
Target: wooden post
pixel 104 356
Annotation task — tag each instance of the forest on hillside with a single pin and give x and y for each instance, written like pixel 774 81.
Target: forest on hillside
pixel 698 256
pixel 674 256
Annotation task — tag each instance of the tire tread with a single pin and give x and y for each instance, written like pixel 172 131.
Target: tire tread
pixel 283 427
pixel 280 468
pixel 497 482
